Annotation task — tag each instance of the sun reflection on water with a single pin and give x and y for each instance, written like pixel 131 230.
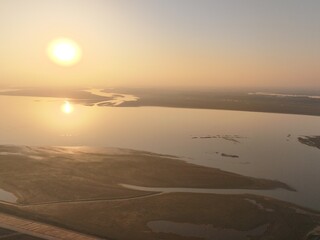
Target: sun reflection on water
pixel 67 107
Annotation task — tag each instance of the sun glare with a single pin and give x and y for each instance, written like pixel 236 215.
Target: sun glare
pixel 65 52
pixel 67 107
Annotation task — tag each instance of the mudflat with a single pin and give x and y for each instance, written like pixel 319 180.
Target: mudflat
pixel 79 188
pixel 49 174
pixel 238 215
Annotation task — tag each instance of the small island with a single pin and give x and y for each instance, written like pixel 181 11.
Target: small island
pixel 229 155
pixel 312 141
pixel 231 138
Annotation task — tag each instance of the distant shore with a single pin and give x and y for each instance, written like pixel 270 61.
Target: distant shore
pixel 226 100
pixel 221 100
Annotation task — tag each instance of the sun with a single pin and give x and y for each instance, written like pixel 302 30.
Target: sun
pixel 64 51
pixel 67 107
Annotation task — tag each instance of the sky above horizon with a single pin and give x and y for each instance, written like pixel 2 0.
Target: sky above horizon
pixel 151 43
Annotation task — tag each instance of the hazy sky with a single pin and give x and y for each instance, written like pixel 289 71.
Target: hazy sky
pixel 225 43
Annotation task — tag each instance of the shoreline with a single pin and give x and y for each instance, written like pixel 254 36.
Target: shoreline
pixel 231 101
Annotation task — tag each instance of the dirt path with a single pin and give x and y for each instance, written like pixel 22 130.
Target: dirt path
pixel 39 230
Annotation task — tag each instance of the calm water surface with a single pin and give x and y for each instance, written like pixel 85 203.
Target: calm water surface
pixel 267 145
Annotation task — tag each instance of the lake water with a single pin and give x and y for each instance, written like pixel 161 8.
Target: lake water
pixel 266 143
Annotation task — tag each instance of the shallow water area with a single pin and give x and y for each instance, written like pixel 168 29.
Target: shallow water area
pixel 266 144
pixel 279 194
pixel 6 196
